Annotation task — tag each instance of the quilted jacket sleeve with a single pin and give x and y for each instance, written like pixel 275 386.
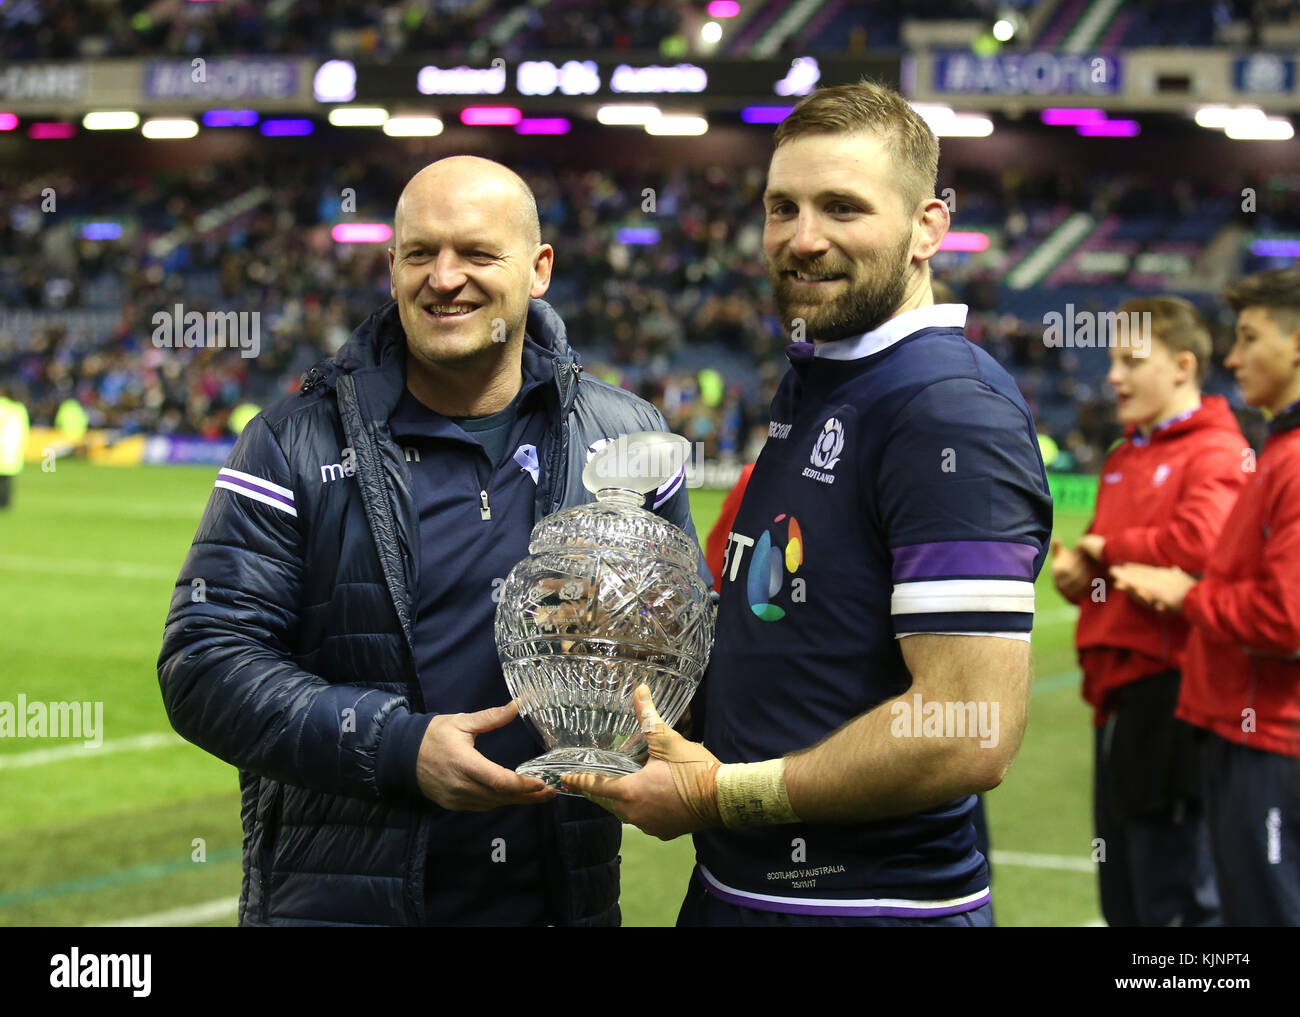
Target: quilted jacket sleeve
pixel 228 677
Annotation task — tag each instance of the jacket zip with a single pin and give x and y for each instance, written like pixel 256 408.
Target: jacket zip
pixel 370 468
pixel 562 384
pixel 370 465
pixel 484 510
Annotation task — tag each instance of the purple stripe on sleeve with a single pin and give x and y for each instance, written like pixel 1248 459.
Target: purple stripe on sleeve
pixel 949 558
pixel 671 487
pixel 275 496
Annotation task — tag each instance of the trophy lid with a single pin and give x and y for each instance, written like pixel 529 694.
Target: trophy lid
pixel 620 475
pixel 642 462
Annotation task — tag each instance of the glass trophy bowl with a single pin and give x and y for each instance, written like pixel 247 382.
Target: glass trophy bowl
pixel 609 598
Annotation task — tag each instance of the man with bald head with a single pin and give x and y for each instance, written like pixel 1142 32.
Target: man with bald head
pixel 331 632
pixel 467 259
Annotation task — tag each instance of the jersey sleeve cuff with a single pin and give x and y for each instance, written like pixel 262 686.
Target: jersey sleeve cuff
pixel 963 586
pixel 1023 637
pixel 963 605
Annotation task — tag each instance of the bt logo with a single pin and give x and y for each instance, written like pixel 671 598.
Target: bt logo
pixel 768 566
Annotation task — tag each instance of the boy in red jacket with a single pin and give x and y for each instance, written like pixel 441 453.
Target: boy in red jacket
pixel 1243 662
pixel 1165 492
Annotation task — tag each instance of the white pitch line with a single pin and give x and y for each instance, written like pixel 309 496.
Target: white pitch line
pixel 87 567
pixel 209 911
pixel 85 505
pixel 134 743
pixel 1030 860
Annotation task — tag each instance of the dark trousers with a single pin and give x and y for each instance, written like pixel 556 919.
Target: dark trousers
pixel 1252 802
pixel 700 908
pixel 6 490
pixel 1157 868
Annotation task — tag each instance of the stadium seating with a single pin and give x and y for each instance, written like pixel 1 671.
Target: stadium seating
pixel 646 315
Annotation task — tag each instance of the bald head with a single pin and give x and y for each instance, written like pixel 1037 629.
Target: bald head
pixel 470 178
pixel 466 261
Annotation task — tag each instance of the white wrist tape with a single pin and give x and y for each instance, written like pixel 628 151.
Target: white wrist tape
pixel 753 794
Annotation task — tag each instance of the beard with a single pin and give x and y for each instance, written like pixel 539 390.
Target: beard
pixel 865 304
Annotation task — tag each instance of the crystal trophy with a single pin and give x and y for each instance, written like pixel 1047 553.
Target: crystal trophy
pixel 609 598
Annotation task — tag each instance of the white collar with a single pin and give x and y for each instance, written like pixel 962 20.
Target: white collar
pixel 898 327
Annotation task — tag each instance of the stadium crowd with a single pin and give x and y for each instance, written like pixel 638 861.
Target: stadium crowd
pixel 650 311
pixel 69 29
pixel 477 29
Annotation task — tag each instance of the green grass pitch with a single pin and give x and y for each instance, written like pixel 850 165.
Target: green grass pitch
pixel 88 557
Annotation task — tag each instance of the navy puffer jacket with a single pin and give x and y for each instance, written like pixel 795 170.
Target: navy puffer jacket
pixel 288 644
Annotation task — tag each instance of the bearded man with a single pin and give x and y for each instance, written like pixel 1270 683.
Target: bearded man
pixel 871 669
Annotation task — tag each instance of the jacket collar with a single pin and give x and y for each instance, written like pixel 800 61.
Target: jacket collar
pixel 1165 429
pixel 1213 411
pixel 376 357
pixel 411 418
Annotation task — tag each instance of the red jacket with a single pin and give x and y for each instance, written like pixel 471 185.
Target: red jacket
pixel 1160 502
pixel 715 547
pixel 1244 653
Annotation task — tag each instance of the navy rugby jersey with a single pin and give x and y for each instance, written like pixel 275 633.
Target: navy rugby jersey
pixel 901 491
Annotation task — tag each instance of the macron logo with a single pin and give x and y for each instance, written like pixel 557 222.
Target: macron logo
pixel 102 971
pixel 337 471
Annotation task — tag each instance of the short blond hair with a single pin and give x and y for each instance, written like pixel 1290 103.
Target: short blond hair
pixel 875 108
pixel 1178 324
